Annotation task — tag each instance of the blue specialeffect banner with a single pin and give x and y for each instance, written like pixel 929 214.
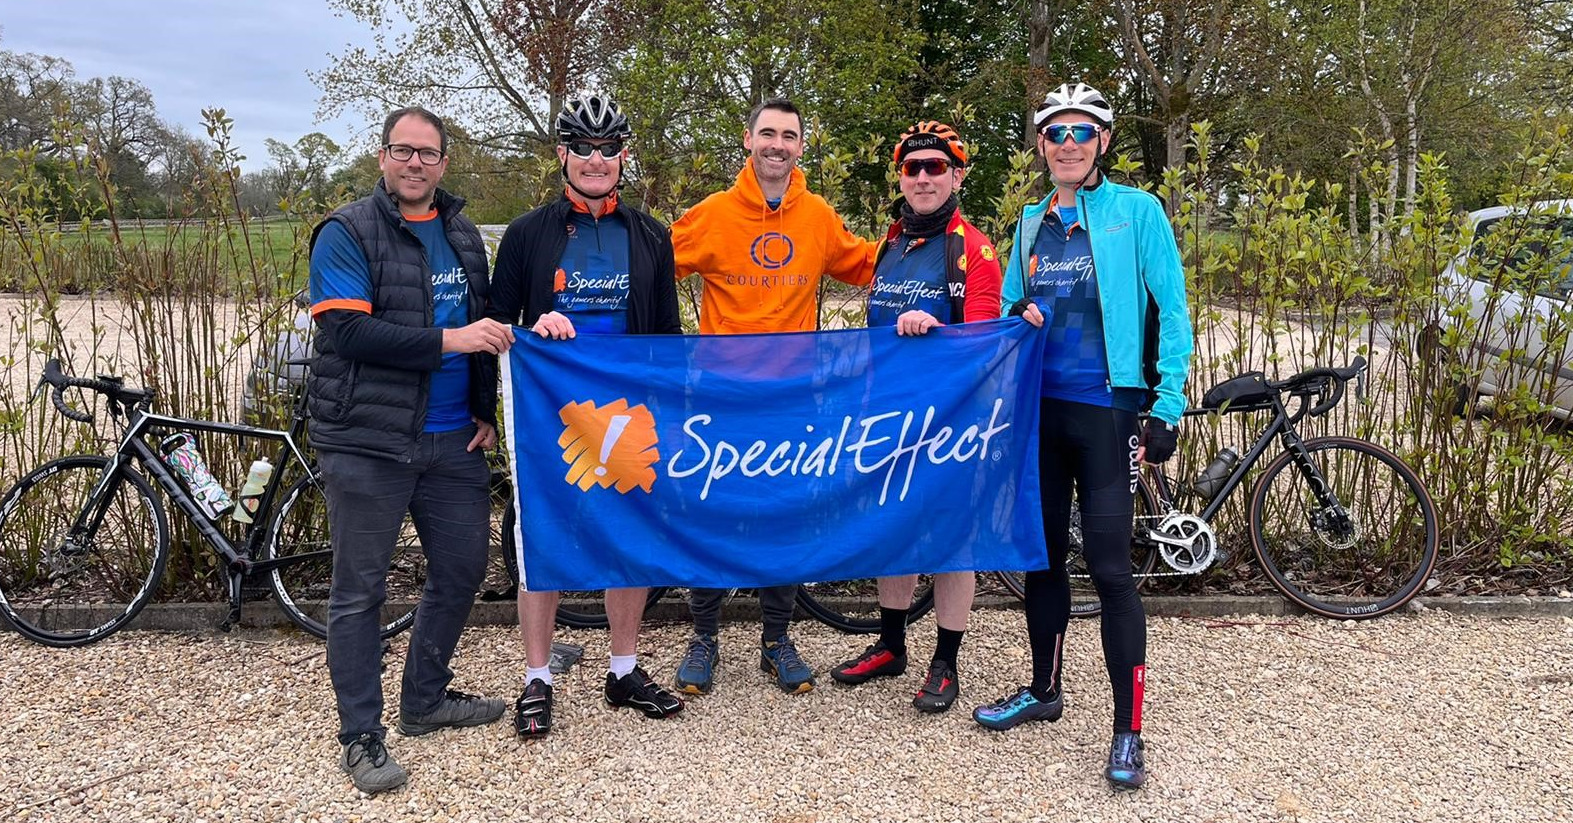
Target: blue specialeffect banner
pixel 757 460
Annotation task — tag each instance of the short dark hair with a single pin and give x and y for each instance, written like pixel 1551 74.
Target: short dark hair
pixel 396 115
pixel 780 104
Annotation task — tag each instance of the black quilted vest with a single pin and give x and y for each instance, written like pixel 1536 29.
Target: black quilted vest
pixel 378 410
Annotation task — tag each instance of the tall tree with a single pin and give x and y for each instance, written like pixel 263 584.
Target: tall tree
pixel 501 67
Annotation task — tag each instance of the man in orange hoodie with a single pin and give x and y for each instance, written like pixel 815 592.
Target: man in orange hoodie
pixel 761 248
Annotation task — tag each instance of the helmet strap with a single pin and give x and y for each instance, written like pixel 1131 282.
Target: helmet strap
pixel 568 181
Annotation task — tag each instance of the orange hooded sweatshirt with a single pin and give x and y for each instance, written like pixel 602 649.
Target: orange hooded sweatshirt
pixel 761 268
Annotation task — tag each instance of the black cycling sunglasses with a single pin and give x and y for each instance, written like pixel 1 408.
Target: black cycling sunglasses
pixel 582 149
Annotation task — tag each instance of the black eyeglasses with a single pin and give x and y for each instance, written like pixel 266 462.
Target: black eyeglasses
pixel 582 149
pixel 935 166
pixel 402 153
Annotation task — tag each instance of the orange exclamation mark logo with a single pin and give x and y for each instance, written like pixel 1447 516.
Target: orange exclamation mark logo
pixel 611 446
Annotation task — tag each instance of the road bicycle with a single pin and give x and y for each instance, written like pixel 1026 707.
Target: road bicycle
pixel 85 539
pixel 1342 527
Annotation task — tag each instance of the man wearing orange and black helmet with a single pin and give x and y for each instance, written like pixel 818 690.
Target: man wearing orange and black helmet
pixel 933 269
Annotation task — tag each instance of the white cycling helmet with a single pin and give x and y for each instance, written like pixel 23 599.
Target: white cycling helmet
pixel 1078 97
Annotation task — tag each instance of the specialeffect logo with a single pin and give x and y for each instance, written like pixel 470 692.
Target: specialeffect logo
pixel 614 446
pixel 611 446
pixel 771 250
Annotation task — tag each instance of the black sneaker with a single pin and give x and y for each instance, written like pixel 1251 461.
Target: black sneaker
pixel 875 661
pixel 370 767
pixel 637 691
pixel 456 710
pixel 939 689
pixel 1127 767
pixel 532 712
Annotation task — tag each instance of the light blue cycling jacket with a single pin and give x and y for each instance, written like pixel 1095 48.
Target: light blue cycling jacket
pixel 1133 252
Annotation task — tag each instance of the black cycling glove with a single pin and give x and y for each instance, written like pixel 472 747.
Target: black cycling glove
pixel 1160 438
pixel 1019 307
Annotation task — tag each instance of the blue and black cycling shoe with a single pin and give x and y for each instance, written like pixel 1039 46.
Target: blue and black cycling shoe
pixel 1127 767
pixel 696 674
pixel 781 659
pixel 1014 710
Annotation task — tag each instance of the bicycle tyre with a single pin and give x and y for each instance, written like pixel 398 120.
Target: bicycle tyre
pixel 114 572
pixel 577 609
pixel 1337 569
pixel 1084 596
pixel 852 606
pixel 300 528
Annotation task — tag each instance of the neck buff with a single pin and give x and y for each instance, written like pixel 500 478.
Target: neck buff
pixel 928 225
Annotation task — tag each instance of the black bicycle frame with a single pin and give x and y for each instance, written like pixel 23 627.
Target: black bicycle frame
pixel 239 564
pixel 1281 426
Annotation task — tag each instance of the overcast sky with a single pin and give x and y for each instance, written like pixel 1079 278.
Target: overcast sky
pixel 249 57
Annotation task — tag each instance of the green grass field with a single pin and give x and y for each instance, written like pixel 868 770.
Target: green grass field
pixel 83 258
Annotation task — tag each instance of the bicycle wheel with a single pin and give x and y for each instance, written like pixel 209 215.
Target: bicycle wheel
pixel 852 606
pixel 63 585
pixel 578 609
pixel 1084 596
pixel 1349 533
pixel 300 534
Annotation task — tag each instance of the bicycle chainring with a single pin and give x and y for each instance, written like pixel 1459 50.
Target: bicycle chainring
pixel 1185 542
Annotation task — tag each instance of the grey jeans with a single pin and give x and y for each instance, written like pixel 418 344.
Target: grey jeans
pixel 444 489
pixel 777 603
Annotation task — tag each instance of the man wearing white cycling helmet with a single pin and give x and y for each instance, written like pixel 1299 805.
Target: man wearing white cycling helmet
pixel 586 263
pixel 1096 265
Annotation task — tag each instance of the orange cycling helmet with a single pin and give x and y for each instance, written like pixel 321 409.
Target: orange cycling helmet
pixel 932 134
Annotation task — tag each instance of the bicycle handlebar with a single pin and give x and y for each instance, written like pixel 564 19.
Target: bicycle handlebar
pixel 1322 380
pixel 110 387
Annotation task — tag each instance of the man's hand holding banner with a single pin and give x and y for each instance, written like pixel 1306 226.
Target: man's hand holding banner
pixel 756 460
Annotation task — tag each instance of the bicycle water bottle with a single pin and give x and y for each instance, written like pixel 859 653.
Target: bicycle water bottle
pixel 1212 478
pixel 181 454
pixel 251 492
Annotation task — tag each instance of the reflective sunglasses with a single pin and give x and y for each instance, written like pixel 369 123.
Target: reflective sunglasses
pixel 1080 132
pixel 402 153
pixel 935 166
pixel 583 149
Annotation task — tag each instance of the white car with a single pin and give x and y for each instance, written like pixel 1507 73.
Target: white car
pixel 1509 307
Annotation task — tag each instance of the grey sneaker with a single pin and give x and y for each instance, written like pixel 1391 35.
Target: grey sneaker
pixel 457 709
pixel 369 765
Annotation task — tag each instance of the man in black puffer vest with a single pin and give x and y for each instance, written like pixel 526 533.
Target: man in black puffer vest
pixel 403 399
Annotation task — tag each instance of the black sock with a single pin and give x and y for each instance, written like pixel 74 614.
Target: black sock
pixel 947 647
pixel 893 630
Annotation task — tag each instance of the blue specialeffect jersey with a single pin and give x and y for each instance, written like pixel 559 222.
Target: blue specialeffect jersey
pixel 1061 280
pixel 591 284
pixel 912 279
pixel 344 281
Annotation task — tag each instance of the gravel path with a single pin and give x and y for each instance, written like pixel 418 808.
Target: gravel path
pixel 1414 718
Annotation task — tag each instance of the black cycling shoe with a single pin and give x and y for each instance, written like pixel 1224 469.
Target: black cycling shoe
pixel 940 688
pixel 1127 767
pixel 532 712
pixel 637 691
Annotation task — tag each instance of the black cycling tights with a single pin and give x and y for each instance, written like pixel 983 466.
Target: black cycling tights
pixel 1093 449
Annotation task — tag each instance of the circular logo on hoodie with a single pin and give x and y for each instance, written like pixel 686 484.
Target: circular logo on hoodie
pixel 771 250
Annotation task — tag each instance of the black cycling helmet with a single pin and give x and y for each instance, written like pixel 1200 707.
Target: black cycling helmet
pixel 592 115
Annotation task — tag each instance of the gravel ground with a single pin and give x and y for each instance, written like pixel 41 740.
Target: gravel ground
pixel 1414 718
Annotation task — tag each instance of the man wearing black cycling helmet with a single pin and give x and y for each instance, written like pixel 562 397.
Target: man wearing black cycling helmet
pixel 593 264
pixel 1096 265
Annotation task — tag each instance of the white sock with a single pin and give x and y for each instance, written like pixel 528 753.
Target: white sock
pixel 622 664
pixel 543 674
